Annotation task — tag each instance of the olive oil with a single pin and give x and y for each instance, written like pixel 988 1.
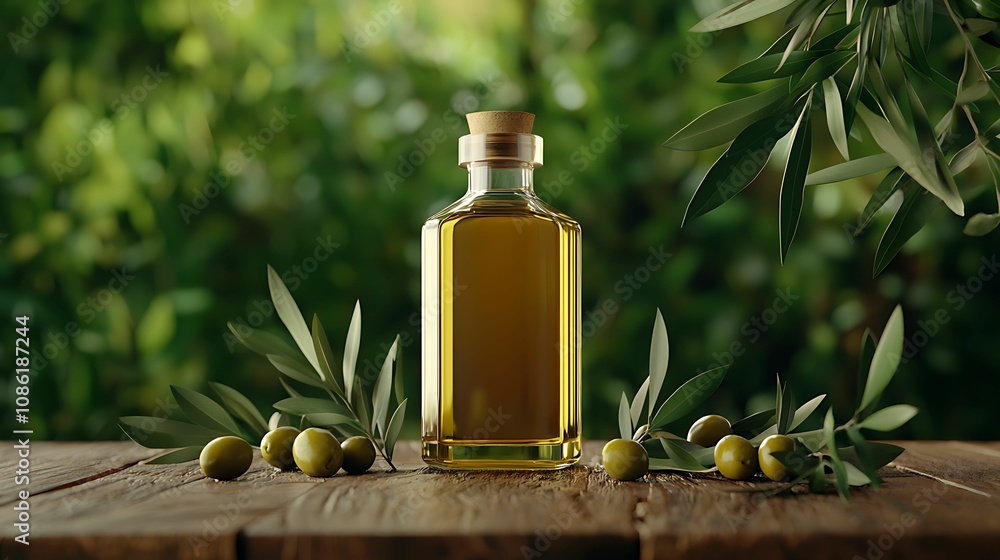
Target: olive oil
pixel 500 335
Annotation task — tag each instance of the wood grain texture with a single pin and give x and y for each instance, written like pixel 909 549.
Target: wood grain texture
pixel 55 464
pixel 939 499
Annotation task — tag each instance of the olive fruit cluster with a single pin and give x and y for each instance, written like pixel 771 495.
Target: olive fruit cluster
pixel 314 451
pixel 735 456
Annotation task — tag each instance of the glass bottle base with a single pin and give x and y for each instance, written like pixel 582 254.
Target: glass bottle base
pixel 536 457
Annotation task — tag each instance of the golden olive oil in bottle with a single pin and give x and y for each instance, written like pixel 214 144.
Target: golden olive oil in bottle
pixel 501 312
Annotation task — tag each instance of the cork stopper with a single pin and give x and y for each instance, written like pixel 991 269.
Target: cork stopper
pixel 498 122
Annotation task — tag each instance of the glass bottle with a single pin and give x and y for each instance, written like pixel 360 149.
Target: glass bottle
pixel 501 312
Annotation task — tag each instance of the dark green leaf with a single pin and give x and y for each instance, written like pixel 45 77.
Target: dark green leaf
pixel 741 163
pixel 889 418
pixel 913 213
pixel 290 315
pixel 839 472
pixel 936 163
pixel 850 169
pixel 860 71
pixel 891 183
pixel 865 461
pixel 241 407
pixel 833 39
pixel 203 411
pixel 988 8
pixel 361 403
pixel 766 67
pixel 681 457
pixel 855 477
pixel 793 181
pixel 659 357
pixel 340 421
pixel 624 418
pixel 979 26
pixel 801 32
pixel 754 424
pixel 295 370
pixel 865 354
pixel 392 432
pixel 160 433
pixel 800 416
pixel 324 356
pixel 722 124
pixel 881 454
pixel 688 396
pixel 785 414
pixel 351 348
pixel 740 13
pixel 398 377
pixel 300 406
pixel 181 455
pixel 886 358
pixel 261 342
pixel 824 68
pixel 383 390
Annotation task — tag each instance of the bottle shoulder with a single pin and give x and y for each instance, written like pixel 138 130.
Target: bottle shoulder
pixel 505 205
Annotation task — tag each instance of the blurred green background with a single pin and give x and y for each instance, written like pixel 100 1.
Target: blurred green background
pixel 156 155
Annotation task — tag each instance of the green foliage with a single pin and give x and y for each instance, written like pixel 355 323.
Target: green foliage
pixel 815 450
pixel 210 419
pixel 857 55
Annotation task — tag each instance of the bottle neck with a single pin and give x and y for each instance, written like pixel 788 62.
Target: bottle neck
pixel 501 176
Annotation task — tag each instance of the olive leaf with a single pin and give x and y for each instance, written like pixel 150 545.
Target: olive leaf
pixel 793 180
pixel 639 401
pixel 203 411
pixel 383 389
pixel 754 423
pixel 624 418
pixel 295 370
pixel 835 116
pixel 740 13
pixel 241 407
pixel 324 356
pixel 290 315
pixel 885 360
pixel 917 207
pixel 839 471
pixel 659 356
pixel 351 348
pixel 722 124
pixel 850 169
pixel 301 406
pixel 865 462
pixel 682 458
pixel 766 67
pixel 801 413
pixel 784 405
pixel 688 396
pixel 161 433
pixel 392 431
pixel 889 418
pixel 182 455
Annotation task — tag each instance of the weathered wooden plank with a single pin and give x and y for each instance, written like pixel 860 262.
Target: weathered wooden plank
pixel 426 513
pixel 55 464
pixel 910 516
pixel 152 511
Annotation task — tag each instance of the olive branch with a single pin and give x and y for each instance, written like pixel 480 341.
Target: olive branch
pixel 318 394
pixel 821 457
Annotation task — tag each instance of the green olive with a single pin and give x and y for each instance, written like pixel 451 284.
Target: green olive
pixel 317 452
pixel 226 458
pixel 276 447
pixel 769 464
pixel 625 459
pixel 735 457
pixel 359 454
pixel 708 430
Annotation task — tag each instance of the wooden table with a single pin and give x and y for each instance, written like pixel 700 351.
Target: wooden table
pixel 98 500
